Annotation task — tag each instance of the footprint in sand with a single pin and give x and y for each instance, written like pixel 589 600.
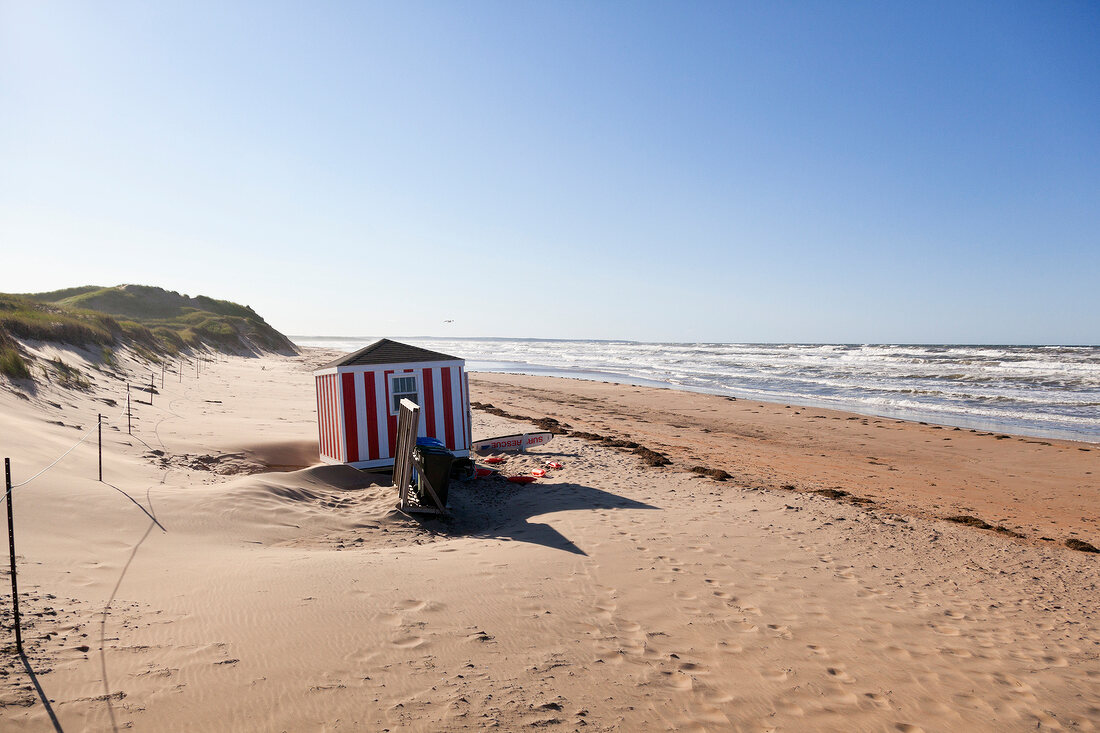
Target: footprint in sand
pixel 715 696
pixel 780 632
pixel 388 619
pixel 870 593
pixel 1014 685
pixel 840 696
pixel 676 680
pixel 945 630
pixel 840 674
pixel 897 652
pixel 408 642
pixel 411 605
pixel 366 656
pixel 606 609
pixel 876 699
pixel 585 628
pixel 692 726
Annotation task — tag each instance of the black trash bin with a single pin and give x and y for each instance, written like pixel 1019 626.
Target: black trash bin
pixel 434 463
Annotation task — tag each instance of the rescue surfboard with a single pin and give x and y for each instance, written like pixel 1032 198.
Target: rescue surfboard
pixel 519 442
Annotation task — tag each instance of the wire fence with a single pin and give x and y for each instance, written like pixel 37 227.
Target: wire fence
pixel 127 413
pixel 47 468
pixel 9 487
pixel 101 419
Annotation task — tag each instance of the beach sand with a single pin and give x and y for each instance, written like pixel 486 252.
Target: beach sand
pixel 248 589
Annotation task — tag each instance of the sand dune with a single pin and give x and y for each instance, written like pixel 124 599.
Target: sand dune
pixel 608 596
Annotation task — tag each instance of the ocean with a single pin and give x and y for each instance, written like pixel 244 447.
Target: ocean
pixel 1047 391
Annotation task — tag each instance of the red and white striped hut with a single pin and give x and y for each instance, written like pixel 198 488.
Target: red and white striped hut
pixel 358 396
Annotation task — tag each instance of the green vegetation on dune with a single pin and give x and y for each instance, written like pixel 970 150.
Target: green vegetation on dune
pixel 143 303
pixel 21 317
pixel 68 376
pixel 12 364
pixel 152 321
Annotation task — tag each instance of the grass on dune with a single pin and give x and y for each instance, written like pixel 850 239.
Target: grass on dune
pixel 154 322
pixel 12 364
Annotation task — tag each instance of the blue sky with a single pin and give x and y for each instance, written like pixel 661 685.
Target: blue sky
pixel 815 171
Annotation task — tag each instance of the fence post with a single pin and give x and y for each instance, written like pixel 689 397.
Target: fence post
pixel 181 370
pixel 128 430
pixel 99 425
pixel 152 386
pixel 11 553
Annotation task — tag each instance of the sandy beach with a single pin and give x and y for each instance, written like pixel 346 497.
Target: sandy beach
pixel 218 579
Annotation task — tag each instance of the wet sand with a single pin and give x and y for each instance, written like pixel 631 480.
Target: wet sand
pixel 1033 486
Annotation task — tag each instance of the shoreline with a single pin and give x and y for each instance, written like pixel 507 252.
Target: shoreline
pixel 914 416
pixel 1048 392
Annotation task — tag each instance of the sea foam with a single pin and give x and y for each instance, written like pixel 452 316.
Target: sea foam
pixel 1051 391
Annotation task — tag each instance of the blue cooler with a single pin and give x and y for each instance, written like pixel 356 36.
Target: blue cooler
pixel 436 442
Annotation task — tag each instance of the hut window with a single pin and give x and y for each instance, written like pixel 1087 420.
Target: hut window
pixel 402 388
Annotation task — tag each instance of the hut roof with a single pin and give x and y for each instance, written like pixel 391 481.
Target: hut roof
pixel 385 351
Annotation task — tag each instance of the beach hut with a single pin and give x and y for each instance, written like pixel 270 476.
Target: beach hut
pixel 358 396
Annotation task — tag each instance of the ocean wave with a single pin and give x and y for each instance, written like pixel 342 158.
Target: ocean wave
pixel 1052 389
